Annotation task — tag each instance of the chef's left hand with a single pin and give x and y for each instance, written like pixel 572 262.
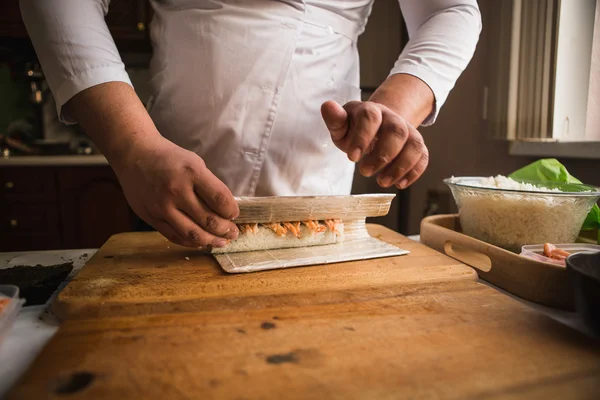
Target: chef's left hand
pixel 379 140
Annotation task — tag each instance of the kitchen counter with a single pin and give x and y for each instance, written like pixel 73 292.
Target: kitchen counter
pixel 55 161
pixel 36 325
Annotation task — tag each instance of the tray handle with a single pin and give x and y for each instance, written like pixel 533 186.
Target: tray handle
pixel 472 258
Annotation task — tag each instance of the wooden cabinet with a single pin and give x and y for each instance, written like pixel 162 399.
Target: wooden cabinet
pixel 30 226
pixel 11 23
pixel 92 206
pixel 44 208
pixel 128 23
pixel 127 20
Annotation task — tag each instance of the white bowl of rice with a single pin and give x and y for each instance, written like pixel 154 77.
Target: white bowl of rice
pixel 510 214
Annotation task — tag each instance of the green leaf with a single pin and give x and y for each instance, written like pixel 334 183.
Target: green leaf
pixel 592 220
pixel 551 171
pixel 545 170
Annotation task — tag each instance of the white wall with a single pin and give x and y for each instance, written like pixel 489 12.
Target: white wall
pixel 592 127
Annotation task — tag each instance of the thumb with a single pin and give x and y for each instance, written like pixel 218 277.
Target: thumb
pixel 336 119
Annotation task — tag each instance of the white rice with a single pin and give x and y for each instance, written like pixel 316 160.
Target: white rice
pixel 511 220
pixel 502 182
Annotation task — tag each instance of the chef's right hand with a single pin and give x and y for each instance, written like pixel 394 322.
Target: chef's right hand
pixel 173 191
pixel 168 187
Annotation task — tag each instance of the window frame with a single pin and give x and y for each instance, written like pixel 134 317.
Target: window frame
pixel 538 93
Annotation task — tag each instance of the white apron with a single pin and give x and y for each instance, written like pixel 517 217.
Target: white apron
pixel 241 83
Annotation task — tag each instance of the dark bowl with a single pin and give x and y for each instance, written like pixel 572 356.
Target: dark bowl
pixel 584 270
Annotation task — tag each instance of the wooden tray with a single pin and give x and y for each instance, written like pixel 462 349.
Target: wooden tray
pixel 536 281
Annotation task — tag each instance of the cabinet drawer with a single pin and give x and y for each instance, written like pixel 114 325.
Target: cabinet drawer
pixel 29 227
pixel 27 180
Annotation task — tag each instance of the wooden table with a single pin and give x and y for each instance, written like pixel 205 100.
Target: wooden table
pixel 357 337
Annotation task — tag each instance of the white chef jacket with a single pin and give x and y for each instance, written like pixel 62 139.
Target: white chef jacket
pixel 241 82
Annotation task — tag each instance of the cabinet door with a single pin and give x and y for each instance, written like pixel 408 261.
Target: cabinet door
pixel 26 226
pixel 20 183
pixel 127 20
pixel 128 23
pixel 93 206
pixel 29 213
pixel 11 23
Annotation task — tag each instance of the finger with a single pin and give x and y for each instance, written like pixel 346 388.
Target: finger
pixel 168 232
pixel 414 174
pixel 391 138
pixel 202 215
pixel 365 121
pixel 214 193
pixel 336 119
pixel 408 158
pixel 191 232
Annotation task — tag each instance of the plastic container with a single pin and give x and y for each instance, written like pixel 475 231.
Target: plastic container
pixel 536 251
pixel 9 309
pixel 511 219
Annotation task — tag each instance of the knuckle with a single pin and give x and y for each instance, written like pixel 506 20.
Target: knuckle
pixel 398 172
pixel 370 112
pixel 417 139
pixel 189 170
pixel 175 238
pixel 420 168
pixel 193 235
pixel 400 167
pixel 398 132
pixel 381 160
pixel 416 173
pixel 192 172
pixel 352 105
pixel 221 199
pixel 421 145
pixel 200 162
pixel 173 189
pixel 195 163
pixel 211 222
pixel 415 146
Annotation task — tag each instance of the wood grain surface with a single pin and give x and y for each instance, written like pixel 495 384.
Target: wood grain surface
pixel 304 208
pixel 142 273
pixel 444 340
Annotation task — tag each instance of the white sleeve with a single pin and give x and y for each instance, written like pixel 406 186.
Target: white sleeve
pixel 73 44
pixel 443 35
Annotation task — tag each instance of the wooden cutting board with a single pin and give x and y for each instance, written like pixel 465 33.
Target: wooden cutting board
pixel 142 273
pixel 454 340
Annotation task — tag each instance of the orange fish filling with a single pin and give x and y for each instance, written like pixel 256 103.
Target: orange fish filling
pixel 281 229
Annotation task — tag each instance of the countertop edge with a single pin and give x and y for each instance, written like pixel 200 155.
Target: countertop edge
pixel 69 160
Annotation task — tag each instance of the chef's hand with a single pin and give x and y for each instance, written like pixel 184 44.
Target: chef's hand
pixel 379 140
pixel 172 190
pixel 168 187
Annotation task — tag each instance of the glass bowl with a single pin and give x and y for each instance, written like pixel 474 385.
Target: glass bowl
pixel 512 218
